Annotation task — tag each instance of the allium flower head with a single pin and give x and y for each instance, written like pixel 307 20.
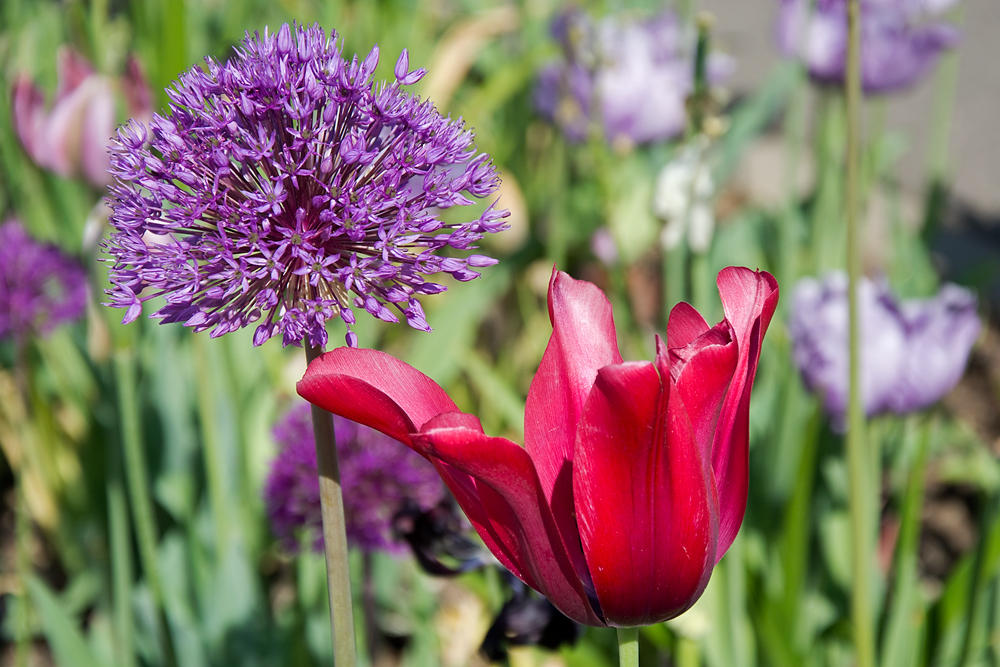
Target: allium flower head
pixel 900 42
pixel 40 287
pixel 378 476
pixel 912 353
pixel 631 76
pixel 285 187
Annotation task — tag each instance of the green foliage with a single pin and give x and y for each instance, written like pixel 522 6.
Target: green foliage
pixel 196 579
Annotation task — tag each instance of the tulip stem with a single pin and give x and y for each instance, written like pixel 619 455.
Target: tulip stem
pixel 857 454
pixel 628 647
pixel 338 578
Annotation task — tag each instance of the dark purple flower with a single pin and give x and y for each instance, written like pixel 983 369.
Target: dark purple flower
pixel 378 476
pixel 72 137
pixel 40 287
pixel 285 187
pixel 911 353
pixel 899 45
pixel 632 77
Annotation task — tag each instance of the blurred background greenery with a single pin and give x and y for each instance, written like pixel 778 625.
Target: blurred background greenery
pixel 89 577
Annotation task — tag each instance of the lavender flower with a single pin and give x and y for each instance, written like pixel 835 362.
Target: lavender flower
pixel 72 137
pixel 285 187
pixel 40 287
pixel 911 353
pixel 378 476
pixel 898 44
pixel 632 77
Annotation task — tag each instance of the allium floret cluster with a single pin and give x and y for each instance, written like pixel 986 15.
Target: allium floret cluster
pixel 285 187
pixel 378 476
pixel 40 286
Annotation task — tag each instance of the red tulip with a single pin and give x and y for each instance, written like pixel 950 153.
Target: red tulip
pixel 633 480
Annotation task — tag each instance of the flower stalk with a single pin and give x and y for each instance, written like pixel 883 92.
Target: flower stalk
pixel 139 491
pixel 857 455
pixel 338 578
pixel 628 647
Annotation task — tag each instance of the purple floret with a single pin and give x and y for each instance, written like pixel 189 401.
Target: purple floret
pixel 378 476
pixel 900 41
pixel 912 353
pixel 40 287
pixel 285 188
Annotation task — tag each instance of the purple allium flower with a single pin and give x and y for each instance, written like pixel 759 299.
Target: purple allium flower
pixel 378 476
pixel 285 187
pixel 40 287
pixel 912 353
pixel 898 43
pixel 631 76
pixel 72 137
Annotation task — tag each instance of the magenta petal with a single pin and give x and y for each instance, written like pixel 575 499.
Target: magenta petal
pixel 375 389
pixel 684 325
pixel 520 523
pixel 749 299
pixel 645 502
pixel 583 341
pixel 703 371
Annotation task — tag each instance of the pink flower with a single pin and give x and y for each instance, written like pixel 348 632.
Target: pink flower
pixel 633 480
pixel 71 138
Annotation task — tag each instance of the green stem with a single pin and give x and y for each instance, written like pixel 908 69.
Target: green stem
pixel 121 569
pixel 674 277
pixel 334 533
pixel 628 647
pixel 796 120
pixel 937 143
pixel 139 491
pixel 857 455
pixel 23 534
pixel 211 447
pixel 907 612
pixel 687 653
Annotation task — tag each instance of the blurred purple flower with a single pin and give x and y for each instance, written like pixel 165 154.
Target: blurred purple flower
pixel 285 186
pixel 40 287
pixel 72 137
pixel 631 76
pixel 899 44
pixel 378 476
pixel 912 353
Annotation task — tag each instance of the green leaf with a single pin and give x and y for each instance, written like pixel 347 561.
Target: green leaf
pixel 62 632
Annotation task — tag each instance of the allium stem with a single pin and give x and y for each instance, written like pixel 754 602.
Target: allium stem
pixel 139 493
pixel 628 647
pixel 334 533
pixel 857 454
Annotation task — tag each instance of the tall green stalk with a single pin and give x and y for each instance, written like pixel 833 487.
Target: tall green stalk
pixel 211 447
pixel 23 557
pixel 857 455
pixel 338 578
pixel 628 647
pixel 139 490
pixel 121 568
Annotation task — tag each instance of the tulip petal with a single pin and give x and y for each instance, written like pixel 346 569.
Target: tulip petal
pixel 519 517
pixel 384 393
pixel 375 389
pixel 684 325
pixel 748 299
pixel 583 341
pixel 703 371
pixel 645 500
